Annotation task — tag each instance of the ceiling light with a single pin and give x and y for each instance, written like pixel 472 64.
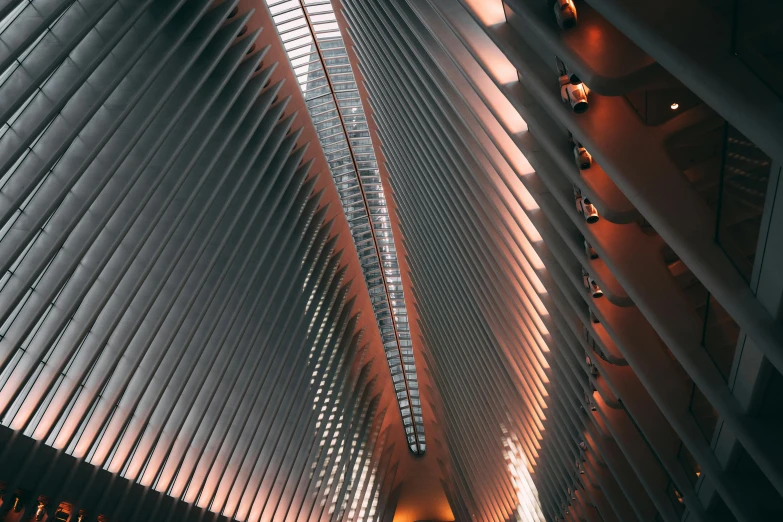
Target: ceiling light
pixel 675 106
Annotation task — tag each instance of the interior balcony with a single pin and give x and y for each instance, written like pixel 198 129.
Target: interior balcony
pixel 571 293
pixel 603 57
pixel 612 130
pixel 735 44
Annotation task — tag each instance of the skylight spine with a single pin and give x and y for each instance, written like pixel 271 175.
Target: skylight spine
pixel 312 39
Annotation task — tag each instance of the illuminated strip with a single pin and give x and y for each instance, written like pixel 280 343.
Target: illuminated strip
pixel 310 35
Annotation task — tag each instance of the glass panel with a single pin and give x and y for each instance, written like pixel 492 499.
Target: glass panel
pixel 731 175
pixel 689 464
pixel 742 192
pixel 675 497
pixel 719 330
pixel 703 412
pixel 720 336
pixel 757 40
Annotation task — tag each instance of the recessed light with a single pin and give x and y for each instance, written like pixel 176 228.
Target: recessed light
pixel 675 106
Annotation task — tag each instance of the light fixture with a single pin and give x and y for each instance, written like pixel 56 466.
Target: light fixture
pixel 675 106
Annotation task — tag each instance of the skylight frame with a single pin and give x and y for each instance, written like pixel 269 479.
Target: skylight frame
pixel 327 59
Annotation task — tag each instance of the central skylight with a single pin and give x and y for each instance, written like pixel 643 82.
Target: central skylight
pixel 312 39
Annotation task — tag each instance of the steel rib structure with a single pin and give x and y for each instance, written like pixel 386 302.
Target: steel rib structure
pixel 596 366
pixel 204 316
pixel 175 318
pixel 460 261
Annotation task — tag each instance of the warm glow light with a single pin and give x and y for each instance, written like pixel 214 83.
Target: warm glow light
pixel 675 106
pixel 492 59
pixel 528 505
pixel 510 117
pixel 490 12
pixel 522 166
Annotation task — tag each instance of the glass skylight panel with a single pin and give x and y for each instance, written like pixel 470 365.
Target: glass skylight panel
pixel 315 48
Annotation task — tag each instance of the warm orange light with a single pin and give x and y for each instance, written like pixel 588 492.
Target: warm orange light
pixel 490 12
pixel 675 106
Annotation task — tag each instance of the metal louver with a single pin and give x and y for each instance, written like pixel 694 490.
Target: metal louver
pixel 172 308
